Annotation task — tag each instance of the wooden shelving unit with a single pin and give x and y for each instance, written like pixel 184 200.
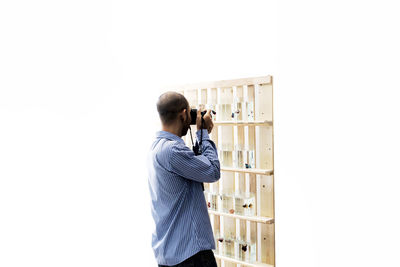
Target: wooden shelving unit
pixel 245 135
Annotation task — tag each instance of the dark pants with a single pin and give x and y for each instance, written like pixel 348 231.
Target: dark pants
pixel 204 258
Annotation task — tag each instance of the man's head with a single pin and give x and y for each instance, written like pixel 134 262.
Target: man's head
pixel 174 112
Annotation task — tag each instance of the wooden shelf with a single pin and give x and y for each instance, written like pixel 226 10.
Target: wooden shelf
pixel 223 83
pixel 244 263
pixel 250 170
pixel 258 219
pixel 242 123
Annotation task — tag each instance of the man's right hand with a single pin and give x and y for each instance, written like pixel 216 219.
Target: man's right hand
pixel 208 124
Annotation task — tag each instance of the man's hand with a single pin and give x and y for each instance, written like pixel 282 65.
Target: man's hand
pixel 208 124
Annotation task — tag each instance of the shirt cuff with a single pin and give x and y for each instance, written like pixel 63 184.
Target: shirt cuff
pixel 205 135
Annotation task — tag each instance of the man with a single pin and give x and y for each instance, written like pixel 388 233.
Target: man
pixel 183 235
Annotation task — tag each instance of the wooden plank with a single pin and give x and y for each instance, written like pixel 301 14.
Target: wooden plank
pixel 263 102
pixel 223 83
pixel 236 141
pixel 243 170
pixel 244 263
pixel 258 219
pixel 243 123
pixel 266 234
pixel 272 242
pixel 265 185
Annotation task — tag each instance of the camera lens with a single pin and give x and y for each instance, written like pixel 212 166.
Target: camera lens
pixel 193 114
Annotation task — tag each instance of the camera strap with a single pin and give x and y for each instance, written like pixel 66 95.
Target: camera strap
pixel 197 147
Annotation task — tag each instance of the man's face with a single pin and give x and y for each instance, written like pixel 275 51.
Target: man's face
pixel 186 123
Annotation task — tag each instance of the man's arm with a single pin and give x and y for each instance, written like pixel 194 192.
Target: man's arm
pixel 201 168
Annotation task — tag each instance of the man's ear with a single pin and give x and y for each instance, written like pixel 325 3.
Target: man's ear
pixel 183 114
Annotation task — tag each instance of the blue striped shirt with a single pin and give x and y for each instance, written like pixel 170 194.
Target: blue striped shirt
pixel 178 206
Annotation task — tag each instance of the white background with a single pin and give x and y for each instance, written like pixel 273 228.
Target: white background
pixel 78 85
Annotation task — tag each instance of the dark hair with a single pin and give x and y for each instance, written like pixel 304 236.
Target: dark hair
pixel 169 105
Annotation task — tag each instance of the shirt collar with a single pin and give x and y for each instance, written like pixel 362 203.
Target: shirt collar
pixel 169 136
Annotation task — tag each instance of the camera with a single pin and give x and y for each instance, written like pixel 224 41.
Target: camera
pixel 193 114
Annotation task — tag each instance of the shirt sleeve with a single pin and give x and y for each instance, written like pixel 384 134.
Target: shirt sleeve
pixel 201 168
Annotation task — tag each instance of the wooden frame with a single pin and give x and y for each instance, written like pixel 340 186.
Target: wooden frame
pixel 246 136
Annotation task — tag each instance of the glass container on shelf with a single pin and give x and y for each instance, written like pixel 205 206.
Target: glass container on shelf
pixel 250 162
pixel 244 204
pixel 225 157
pixel 212 200
pixel 227 244
pixel 246 251
pixel 224 112
pixel 242 110
pixel 226 203
pixel 241 204
pixel 250 111
pixel 219 243
pixel 229 247
pixel 235 248
pixel 238 161
pixel 238 108
pixel 244 159
pixel 216 237
pixel 237 112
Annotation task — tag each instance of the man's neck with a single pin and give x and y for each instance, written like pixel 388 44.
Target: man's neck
pixel 172 129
